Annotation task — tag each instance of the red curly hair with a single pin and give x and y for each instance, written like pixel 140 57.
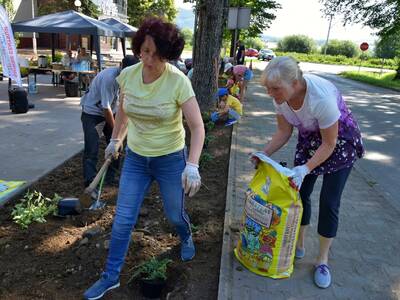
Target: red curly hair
pixel 167 37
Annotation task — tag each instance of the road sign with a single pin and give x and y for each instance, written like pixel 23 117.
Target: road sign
pixel 364 46
pixel 238 17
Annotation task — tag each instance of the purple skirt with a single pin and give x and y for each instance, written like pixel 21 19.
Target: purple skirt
pixel 349 147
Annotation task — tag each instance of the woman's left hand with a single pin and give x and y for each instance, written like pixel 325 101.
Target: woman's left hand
pixel 299 173
pixel 191 180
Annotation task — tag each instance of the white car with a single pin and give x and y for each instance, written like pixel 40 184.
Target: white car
pixel 266 54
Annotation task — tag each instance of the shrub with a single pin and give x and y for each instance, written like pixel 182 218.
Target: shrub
pixel 58 56
pixel 345 48
pixel 341 60
pixel 297 43
pixel 254 42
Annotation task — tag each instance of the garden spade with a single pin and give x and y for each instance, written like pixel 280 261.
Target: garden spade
pixel 99 204
pixel 85 198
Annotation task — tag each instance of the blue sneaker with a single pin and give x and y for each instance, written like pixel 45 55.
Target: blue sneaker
pixel 300 253
pixel 230 122
pixel 322 276
pixel 100 287
pixel 187 249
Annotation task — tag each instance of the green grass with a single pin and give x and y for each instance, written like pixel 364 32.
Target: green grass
pixel 384 80
pixel 341 60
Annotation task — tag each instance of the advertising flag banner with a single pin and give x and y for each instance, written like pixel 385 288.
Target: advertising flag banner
pixel 8 51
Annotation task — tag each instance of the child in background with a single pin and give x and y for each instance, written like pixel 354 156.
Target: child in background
pixel 233 87
pixel 242 74
pixel 229 108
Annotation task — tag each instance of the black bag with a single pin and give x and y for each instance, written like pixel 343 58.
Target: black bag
pixel 71 88
pixel 18 98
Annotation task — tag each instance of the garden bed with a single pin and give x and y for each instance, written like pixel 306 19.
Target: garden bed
pixel 54 261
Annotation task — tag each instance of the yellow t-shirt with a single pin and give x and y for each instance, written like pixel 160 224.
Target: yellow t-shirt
pixel 154 110
pixel 235 104
pixel 234 90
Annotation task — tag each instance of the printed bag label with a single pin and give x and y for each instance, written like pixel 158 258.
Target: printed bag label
pixel 258 212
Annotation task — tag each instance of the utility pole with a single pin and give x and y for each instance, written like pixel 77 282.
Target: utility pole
pixel 329 31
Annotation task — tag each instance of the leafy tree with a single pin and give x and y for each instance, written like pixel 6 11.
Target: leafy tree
pixel 336 47
pixel 188 35
pixel 256 43
pixel 382 15
pixel 138 10
pixel 52 6
pixel 297 43
pixel 261 14
pixel 388 47
pixel 9 7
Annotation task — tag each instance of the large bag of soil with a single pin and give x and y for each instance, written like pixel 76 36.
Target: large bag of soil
pixel 270 222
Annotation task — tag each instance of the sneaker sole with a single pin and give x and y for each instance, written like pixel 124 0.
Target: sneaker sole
pixel 299 255
pixel 110 288
pixel 322 286
pixel 188 259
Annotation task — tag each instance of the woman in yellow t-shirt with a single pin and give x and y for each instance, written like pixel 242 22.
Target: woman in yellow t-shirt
pixel 154 94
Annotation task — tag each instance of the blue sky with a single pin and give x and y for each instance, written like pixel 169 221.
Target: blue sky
pixel 305 17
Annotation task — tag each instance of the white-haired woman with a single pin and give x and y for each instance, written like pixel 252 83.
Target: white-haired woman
pixel 329 142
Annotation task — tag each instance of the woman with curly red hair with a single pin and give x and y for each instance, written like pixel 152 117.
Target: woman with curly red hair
pixel 154 95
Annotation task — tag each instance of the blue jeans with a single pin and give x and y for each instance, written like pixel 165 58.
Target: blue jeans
pixel 137 174
pixel 91 149
pixel 232 114
pixel 329 200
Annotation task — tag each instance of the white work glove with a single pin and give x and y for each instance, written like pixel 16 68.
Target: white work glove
pixel 299 173
pixel 111 149
pixel 191 179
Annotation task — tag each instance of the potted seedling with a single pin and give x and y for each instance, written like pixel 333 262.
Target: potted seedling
pixel 152 276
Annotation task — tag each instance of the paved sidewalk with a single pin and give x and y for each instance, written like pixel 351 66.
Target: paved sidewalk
pixel 365 256
pixel 35 143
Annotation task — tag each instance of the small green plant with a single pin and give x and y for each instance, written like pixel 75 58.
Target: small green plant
pixel 58 56
pixel 210 125
pixel 194 228
pixel 208 139
pixel 205 158
pixel 34 207
pixel 205 116
pixel 151 269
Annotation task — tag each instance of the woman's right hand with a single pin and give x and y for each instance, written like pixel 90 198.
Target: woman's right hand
pixel 112 149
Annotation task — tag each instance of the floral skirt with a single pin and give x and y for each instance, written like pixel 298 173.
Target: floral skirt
pixel 348 148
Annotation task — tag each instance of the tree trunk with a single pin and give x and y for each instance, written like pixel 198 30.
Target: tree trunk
pixel 206 54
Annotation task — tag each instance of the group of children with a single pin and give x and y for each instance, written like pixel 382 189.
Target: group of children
pixel 231 97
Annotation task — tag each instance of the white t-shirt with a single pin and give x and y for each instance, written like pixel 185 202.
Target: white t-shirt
pixel 320 108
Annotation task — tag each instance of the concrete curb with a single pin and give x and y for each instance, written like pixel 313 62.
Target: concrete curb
pixel 225 274
pixel 22 189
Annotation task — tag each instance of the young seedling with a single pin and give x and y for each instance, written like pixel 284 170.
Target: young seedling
pixel 34 207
